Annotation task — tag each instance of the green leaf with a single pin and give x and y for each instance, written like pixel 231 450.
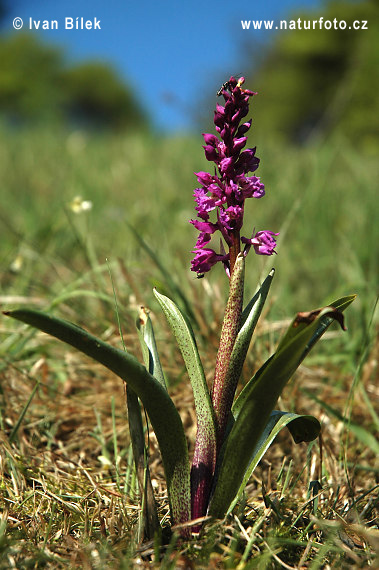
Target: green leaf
pixel 340 304
pixel 140 456
pixel 150 522
pixel 302 428
pixel 204 457
pixel 250 317
pixel 301 336
pixel 256 401
pixel 163 415
pixel 325 317
pixel 184 335
pixel 149 347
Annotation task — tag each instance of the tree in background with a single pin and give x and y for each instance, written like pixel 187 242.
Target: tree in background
pixel 318 81
pixel 95 95
pixel 29 78
pixel 3 9
pixel 38 86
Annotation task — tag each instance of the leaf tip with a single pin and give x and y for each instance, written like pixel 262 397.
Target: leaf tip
pixel 307 317
pixel 143 315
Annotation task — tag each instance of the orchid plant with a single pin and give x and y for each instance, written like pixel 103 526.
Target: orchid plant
pixel 233 432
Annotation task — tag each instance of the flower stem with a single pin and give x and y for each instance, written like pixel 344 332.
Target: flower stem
pixel 234 250
pixel 224 385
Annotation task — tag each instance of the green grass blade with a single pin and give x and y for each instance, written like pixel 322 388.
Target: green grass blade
pixel 150 522
pixel 115 445
pixel 166 274
pixel 369 407
pixel 164 417
pixel 367 438
pixel 16 427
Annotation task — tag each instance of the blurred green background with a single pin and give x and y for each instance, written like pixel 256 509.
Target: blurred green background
pixel 71 130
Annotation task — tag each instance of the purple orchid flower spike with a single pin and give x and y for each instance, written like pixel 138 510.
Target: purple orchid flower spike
pixel 223 194
pixel 220 202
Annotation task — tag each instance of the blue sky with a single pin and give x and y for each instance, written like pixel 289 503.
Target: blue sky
pixel 173 53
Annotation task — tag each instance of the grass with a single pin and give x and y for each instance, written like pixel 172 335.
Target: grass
pixel 68 491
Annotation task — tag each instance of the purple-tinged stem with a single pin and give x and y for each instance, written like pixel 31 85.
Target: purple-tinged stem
pixel 224 386
pixel 234 250
pixel 202 471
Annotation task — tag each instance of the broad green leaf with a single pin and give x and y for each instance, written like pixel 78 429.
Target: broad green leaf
pixel 149 347
pixel 253 309
pixel 325 317
pixel 204 458
pixel 250 318
pixel 163 415
pixel 255 403
pixel 302 428
pixel 341 304
pixel 307 334
pixel 184 335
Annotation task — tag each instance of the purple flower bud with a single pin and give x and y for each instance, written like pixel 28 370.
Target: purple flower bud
pixel 243 128
pixel 235 213
pixel 204 177
pixel 238 144
pixel 210 139
pixel 249 93
pixel 224 218
pixel 226 166
pixel 210 153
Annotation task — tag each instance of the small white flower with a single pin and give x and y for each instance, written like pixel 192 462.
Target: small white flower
pixel 106 464
pixel 17 264
pixel 78 205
